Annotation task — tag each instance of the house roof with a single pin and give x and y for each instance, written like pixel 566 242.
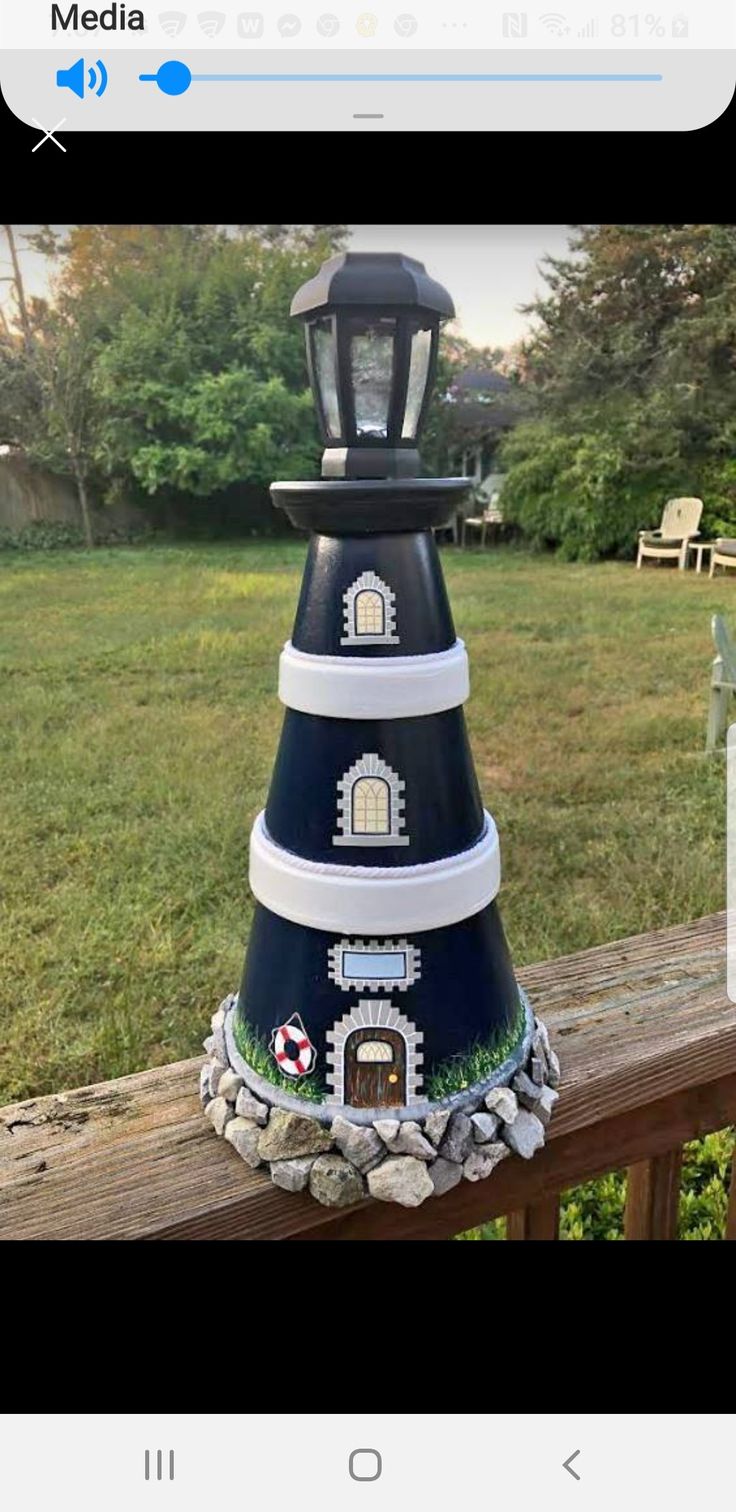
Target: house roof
pixel 480 380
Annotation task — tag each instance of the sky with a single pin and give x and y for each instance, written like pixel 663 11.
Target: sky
pixel 489 270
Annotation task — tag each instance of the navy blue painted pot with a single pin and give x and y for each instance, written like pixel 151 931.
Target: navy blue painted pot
pixel 457 989
pixel 442 811
pixel 409 565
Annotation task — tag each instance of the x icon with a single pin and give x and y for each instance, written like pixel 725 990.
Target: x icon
pixel 49 134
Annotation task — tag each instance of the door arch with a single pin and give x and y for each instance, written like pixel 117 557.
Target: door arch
pixel 375 1068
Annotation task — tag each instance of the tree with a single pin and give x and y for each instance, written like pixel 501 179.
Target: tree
pixel 632 376
pixel 166 363
pixel 18 288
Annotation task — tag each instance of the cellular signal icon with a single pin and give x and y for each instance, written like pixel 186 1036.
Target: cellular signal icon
pixel 554 23
pixel 589 30
pixel 211 22
pixel 73 78
pixel 172 22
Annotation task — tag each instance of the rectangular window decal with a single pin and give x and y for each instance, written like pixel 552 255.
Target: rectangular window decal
pixel 367 965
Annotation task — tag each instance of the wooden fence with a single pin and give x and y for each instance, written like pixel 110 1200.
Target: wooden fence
pixel 647 1040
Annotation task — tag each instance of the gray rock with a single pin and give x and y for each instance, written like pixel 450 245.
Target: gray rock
pixel 387 1129
pixel 485 1126
pixel 545 1107
pixel 538 1070
pixel 205 1095
pixel 243 1134
pixel 502 1100
pixel 444 1175
pixel 360 1145
pixel 230 1084
pixel 290 1134
pixel 209 1044
pixel 218 1036
pixel 553 1069
pixel 248 1106
pixel 218 1019
pixel 484 1159
pixel 292 1175
pixel 458 1140
pixel 539 1047
pixel 410 1141
pixel 335 1182
pixel 525 1135
pixel 215 1073
pixel 402 1179
pixel 219 1113
pixel 540 1033
pixel 435 1125
pixel 526 1090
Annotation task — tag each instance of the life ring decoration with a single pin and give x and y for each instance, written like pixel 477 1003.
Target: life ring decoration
pixel 292 1048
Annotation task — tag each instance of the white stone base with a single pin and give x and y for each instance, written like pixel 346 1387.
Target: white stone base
pixel 342 1160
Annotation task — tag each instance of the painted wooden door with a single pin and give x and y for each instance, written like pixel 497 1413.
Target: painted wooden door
pixel 375 1068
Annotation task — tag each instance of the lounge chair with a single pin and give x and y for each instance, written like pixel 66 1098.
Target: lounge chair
pixel 492 516
pixel 723 553
pixel 722 682
pixel 680 521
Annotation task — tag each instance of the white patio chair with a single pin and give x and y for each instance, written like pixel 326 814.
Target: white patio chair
pixel 492 515
pixel 723 553
pixel 680 521
pixel 722 682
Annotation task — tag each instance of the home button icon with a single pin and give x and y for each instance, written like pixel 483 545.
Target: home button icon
pixel 365 1465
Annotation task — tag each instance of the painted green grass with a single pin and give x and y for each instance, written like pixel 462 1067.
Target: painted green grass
pixel 139 727
pixel 480 1061
pixel 254 1049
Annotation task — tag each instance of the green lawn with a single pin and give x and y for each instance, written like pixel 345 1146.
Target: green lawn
pixel 140 724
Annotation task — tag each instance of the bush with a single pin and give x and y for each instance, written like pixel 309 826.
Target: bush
pixel 585 493
pixel 61 535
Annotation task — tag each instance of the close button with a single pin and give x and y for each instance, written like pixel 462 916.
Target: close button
pixel 365 1465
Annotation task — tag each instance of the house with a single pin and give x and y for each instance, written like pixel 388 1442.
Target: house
pixel 484 408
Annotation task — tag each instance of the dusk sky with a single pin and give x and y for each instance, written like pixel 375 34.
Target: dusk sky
pixel 489 270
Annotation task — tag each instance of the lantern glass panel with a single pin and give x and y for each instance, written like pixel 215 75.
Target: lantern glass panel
pixel 372 368
pixel 324 356
pixel 421 351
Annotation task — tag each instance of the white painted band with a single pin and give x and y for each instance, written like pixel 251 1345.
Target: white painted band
pixel 365 899
pixel 374 687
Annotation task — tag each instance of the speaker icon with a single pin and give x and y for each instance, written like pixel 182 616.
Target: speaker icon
pixel 73 78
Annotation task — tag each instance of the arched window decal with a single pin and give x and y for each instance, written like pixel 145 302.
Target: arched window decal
pixel 374 1050
pixel 370 804
pixel 369 613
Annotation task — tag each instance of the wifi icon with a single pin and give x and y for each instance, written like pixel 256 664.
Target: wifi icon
pixel 172 22
pixel 211 22
pixel 554 23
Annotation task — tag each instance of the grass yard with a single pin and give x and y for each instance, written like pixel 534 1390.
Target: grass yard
pixel 140 725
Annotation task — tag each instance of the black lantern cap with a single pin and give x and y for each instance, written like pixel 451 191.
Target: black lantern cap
pixel 372 278
pixel 372 326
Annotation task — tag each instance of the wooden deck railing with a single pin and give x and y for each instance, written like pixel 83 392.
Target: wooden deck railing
pixel 647 1039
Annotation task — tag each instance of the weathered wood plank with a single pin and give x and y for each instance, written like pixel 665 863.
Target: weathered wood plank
pixel 540 1221
pixel 647 1039
pixel 653 1197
